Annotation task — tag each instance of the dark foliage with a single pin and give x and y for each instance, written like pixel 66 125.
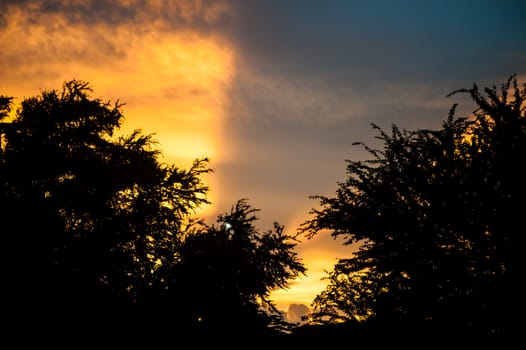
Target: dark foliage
pixel 439 217
pixel 98 238
pixel 85 215
pixel 225 274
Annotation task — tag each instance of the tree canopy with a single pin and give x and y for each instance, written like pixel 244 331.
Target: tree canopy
pixel 99 233
pixel 438 214
pixel 225 274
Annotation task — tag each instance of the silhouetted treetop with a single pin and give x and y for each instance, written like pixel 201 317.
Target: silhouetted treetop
pixel 439 216
pixel 87 215
pixel 100 238
pixel 226 272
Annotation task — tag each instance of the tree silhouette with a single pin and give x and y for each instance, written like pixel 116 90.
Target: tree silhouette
pixel 439 217
pixel 225 274
pixel 99 237
pixel 87 216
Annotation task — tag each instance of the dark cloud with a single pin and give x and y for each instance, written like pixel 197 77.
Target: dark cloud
pixel 203 15
pixel 86 12
pixel 357 41
pixel 94 11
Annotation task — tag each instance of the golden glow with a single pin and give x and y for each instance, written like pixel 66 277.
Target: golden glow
pixel 319 255
pixel 174 84
pixel 304 289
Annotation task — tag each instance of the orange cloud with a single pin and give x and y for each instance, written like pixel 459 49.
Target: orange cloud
pixel 173 83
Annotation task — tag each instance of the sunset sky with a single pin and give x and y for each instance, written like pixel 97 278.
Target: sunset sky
pixel 273 92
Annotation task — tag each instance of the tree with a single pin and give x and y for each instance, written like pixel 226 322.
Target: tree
pixel 98 233
pixel 86 216
pixel 225 274
pixel 438 215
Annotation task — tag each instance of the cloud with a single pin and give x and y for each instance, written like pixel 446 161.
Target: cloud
pixel 173 79
pixel 184 74
pixel 296 311
pixel 359 42
pixel 182 14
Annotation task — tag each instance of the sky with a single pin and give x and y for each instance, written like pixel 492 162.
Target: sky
pixel 274 93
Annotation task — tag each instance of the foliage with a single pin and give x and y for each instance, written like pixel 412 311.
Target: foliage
pixel 226 273
pixel 86 215
pixel 98 233
pixel 439 217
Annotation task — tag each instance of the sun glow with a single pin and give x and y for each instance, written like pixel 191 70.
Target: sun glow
pixel 174 84
pixel 179 90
